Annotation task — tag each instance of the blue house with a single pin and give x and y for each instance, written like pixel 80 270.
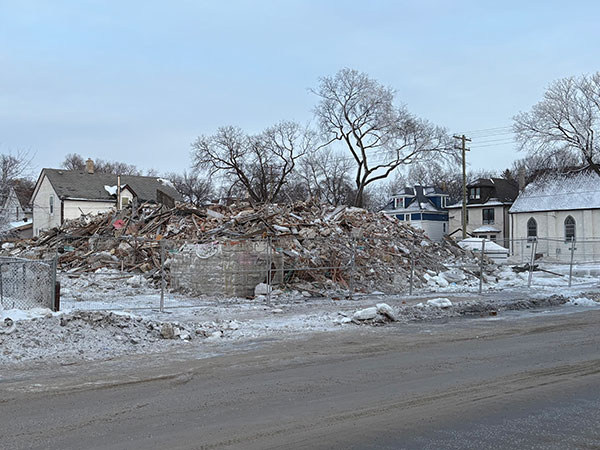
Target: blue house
pixel 422 207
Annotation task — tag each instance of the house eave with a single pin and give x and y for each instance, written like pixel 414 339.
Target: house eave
pixel 552 210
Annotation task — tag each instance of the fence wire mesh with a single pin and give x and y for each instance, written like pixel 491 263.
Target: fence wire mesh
pixel 132 273
pixel 26 284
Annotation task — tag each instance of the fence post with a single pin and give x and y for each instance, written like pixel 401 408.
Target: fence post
pixel 522 252
pixel 55 304
pixel 162 276
pixel 352 268
pixel 481 266
pixel 533 250
pixel 412 274
pixel 571 263
pixel 269 266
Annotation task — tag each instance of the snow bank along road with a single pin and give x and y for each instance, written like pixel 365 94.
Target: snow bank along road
pixel 528 382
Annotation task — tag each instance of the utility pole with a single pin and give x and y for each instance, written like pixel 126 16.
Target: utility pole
pixel 463 146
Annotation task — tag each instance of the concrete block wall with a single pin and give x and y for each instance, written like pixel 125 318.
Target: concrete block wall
pixel 231 269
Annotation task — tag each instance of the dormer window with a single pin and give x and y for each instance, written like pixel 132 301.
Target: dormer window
pixel 475 193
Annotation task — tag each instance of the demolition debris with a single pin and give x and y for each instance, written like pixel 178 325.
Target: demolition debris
pixel 310 246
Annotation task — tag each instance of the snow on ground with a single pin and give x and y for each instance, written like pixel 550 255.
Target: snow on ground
pixel 81 332
pixel 583 301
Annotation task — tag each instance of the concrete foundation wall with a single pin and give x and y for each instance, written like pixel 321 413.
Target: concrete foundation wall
pixel 231 269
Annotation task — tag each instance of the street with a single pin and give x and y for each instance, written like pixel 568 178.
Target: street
pixel 527 380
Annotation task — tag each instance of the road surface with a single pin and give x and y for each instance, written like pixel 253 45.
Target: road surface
pixel 528 381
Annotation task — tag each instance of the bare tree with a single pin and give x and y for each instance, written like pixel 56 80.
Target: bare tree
pixel 15 168
pixel 195 187
pixel 527 169
pixel 359 112
pixel 74 161
pixel 565 121
pixel 261 164
pixel 325 176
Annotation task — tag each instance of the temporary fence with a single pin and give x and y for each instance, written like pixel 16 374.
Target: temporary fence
pixel 196 273
pixel 565 259
pixel 26 283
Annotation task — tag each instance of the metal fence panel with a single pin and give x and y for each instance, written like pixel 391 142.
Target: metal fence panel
pixel 26 284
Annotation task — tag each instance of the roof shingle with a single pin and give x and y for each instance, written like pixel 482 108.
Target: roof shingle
pixel 75 184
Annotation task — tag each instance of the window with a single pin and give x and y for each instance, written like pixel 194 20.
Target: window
pixel 493 237
pixel 51 204
pixel 475 193
pixel 444 228
pixel 569 229
pixel 531 229
pixel 124 201
pixel 482 236
pixel 488 215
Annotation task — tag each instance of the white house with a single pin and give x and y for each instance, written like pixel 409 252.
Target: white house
pixel 15 214
pixel 422 207
pixel 489 200
pixel 61 195
pixel 560 212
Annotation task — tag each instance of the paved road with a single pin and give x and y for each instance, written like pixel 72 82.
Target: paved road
pixel 523 383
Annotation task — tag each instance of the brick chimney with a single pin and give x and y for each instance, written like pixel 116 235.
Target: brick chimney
pixel 89 166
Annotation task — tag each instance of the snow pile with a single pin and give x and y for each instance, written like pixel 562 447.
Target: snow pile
pixel 440 302
pixel 98 335
pixel 475 244
pixel 20 314
pixel 378 314
pixel 582 301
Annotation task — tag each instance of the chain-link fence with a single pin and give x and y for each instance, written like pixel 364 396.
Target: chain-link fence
pixel 132 273
pixel 568 262
pixel 26 284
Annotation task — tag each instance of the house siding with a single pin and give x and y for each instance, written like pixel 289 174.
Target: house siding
pixel 42 219
pixel 11 210
pixel 433 229
pixel 475 214
pixel 551 235
pixel 75 208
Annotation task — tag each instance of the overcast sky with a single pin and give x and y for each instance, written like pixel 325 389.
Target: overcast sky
pixel 137 81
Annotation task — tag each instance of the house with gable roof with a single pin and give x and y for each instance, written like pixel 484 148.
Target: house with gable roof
pixel 488 202
pixel 15 212
pixel 61 195
pixel 560 212
pixel 422 207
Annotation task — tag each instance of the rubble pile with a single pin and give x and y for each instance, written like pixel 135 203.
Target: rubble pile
pixel 318 245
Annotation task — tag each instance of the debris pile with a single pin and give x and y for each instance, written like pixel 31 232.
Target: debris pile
pixel 312 246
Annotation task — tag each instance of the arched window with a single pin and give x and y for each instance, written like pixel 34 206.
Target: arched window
pixel 531 229
pixel 569 229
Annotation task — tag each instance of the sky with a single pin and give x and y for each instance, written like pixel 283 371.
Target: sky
pixel 138 81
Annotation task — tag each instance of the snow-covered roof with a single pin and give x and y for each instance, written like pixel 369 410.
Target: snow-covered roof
pixel 560 193
pixel 476 243
pixel 492 202
pixel 422 206
pixel 486 229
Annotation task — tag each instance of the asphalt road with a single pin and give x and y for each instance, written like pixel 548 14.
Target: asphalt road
pixel 530 382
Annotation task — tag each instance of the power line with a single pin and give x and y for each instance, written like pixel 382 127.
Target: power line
pixel 483 130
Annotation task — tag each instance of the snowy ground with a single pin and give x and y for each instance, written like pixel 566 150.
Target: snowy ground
pixel 86 330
